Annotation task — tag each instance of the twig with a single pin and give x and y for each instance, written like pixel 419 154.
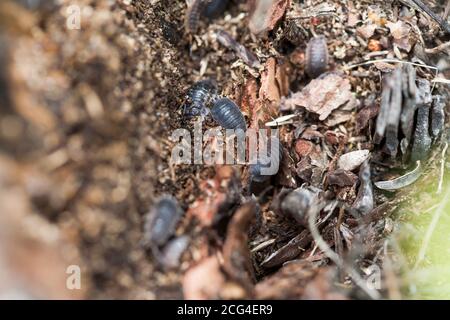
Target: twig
pixel 446 11
pixel 441 80
pixel 439 48
pixel 242 52
pixel 312 217
pixel 441 175
pixel 352 66
pixel 442 23
pixel 432 227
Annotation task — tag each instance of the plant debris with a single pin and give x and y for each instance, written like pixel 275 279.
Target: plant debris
pixel 322 96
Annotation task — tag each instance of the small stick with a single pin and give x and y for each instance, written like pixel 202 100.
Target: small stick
pixel 441 175
pixel 352 66
pixel 333 256
pixel 439 48
pixel 242 52
pixel 442 23
pixel 446 11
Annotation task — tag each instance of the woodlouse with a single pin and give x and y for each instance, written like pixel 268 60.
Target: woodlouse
pixel 316 56
pixel 297 203
pixel 198 97
pixel 227 114
pixel 207 8
pixel 162 220
pixel 213 8
pixel 193 12
pixel 263 170
pixel 172 252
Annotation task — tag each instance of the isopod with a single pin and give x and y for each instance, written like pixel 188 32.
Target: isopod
pixel 241 51
pixel 198 97
pixel 172 252
pixel 297 203
pixel 268 166
pixel 193 12
pixel 161 221
pixel 227 114
pixel 213 8
pixel 316 56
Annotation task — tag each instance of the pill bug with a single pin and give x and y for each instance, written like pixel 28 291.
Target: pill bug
pixel 213 8
pixel 262 171
pixel 227 114
pixel 297 203
pixel 161 221
pixel 192 17
pixel 316 56
pixel 172 252
pixel 198 97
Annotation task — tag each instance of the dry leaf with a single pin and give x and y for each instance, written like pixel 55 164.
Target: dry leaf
pixel 352 160
pixel 400 32
pixel 322 96
pixel 266 14
pixel 366 31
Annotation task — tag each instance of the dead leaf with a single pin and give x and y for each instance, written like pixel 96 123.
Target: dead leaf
pixel 365 115
pixel 400 31
pixel 322 96
pixel 342 178
pixel 366 31
pixel 352 160
pixel 236 253
pixel 269 87
pixel 266 14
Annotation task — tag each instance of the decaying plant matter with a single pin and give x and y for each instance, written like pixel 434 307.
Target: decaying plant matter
pixel 357 90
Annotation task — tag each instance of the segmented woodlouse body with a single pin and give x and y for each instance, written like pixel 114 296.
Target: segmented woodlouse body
pixel 227 114
pixel 297 203
pixel 172 252
pixel 265 168
pixel 162 220
pixel 316 56
pixel 193 13
pixel 198 98
pixel 213 8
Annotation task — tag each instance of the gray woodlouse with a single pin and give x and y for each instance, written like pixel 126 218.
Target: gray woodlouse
pixel 255 170
pixel 206 8
pixel 316 61
pixel 227 114
pixel 172 252
pixel 161 221
pixel 297 203
pixel 213 8
pixel 193 12
pixel 198 98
